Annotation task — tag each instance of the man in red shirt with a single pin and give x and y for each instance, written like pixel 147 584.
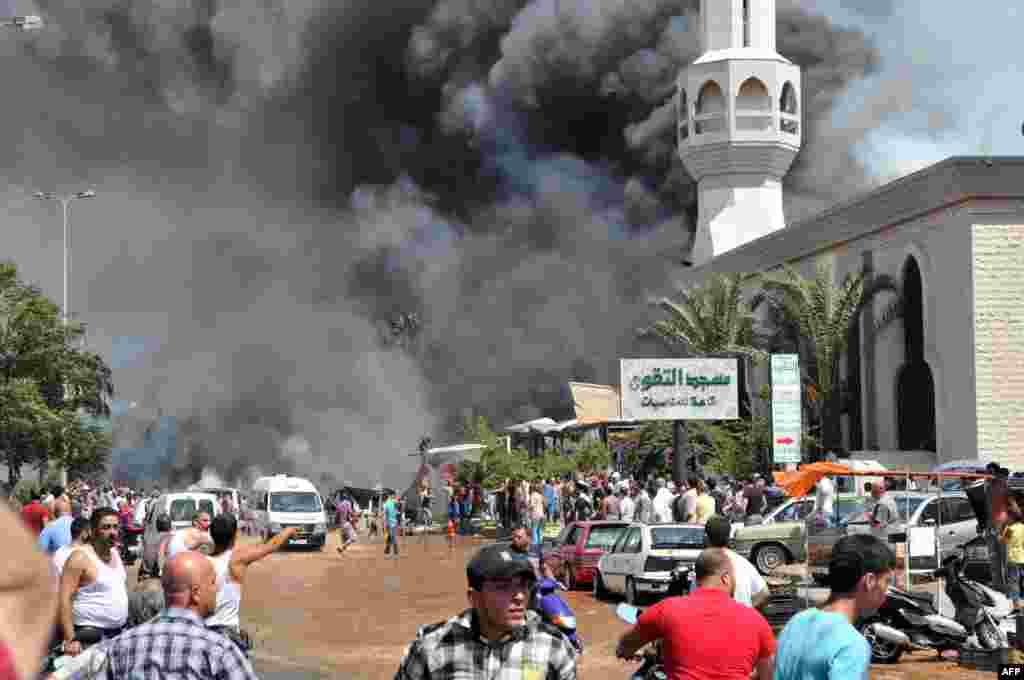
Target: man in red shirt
pixel 706 635
pixel 35 514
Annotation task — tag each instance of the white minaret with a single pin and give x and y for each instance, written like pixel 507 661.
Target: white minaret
pixel 738 115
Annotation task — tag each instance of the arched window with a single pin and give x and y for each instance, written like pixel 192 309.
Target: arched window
pixel 682 114
pixel 915 387
pixel 789 118
pixel 710 113
pixel 753 106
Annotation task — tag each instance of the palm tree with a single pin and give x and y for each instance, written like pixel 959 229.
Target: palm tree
pixel 816 316
pixel 710 319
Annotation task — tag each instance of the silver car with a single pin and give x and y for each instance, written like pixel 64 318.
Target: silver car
pixel 642 560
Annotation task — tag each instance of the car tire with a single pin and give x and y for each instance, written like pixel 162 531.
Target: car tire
pixel 769 556
pixel 632 598
pixel 600 592
pixel 570 577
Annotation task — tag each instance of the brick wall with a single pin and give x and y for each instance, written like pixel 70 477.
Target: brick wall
pixel 999 342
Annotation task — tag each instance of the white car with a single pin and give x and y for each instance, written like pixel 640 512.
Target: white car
pixel 642 559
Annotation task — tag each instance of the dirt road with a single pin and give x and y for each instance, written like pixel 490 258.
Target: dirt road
pixel 351 616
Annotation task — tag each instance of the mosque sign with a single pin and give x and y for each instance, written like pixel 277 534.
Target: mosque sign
pixel 680 389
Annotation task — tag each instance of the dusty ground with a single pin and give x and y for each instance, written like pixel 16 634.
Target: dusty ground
pixel 350 616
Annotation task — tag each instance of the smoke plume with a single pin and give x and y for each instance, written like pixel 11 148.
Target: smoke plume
pixel 279 182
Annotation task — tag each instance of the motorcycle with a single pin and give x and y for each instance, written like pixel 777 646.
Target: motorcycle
pixel 652 667
pixel 910 620
pixel 130 545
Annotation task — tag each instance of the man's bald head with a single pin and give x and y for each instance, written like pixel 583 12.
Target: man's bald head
pixel 189 582
pixel 714 570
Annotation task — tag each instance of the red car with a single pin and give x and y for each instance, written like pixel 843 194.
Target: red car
pixel 581 546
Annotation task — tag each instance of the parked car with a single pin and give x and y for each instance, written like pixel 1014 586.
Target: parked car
pixel 581 545
pixel 779 538
pixel 952 514
pixel 641 561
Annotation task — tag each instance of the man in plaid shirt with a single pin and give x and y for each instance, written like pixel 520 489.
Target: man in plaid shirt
pixel 498 638
pixel 176 645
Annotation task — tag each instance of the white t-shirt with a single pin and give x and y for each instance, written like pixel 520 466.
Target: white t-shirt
pixel 824 502
pixel 749 581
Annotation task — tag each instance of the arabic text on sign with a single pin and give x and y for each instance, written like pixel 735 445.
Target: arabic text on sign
pixel 671 377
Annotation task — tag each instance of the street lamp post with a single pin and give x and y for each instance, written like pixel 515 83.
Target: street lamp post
pixel 65 202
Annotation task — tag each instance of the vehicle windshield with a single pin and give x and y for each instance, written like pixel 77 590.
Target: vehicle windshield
pixel 604 536
pixel 295 501
pixel 677 537
pixel 183 509
pixel 906 505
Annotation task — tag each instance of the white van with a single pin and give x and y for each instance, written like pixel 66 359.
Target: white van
pixel 281 501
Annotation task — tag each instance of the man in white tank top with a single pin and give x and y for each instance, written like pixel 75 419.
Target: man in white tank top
pixel 230 564
pixel 79 536
pixel 93 587
pixel 191 538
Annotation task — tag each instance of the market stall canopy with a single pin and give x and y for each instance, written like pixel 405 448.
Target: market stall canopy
pixel 538 425
pixel 444 455
pixel 595 404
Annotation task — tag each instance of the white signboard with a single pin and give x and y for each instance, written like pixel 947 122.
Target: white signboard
pixel 922 541
pixel 679 389
pixel 786 421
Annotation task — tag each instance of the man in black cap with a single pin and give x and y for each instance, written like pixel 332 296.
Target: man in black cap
pixel 497 638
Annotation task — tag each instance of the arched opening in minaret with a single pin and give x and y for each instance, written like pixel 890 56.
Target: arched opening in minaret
pixel 753 106
pixel 710 113
pixel 746 23
pixel 915 387
pixel 682 114
pixel 789 111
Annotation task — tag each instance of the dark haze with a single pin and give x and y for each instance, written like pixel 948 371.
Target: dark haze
pixel 281 180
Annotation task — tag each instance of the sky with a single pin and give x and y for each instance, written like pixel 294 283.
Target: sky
pixel 266 204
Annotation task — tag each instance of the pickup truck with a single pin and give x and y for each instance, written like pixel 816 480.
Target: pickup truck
pixel 952 514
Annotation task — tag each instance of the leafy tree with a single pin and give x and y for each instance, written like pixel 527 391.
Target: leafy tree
pixel 704 320
pixel 46 380
pixel 817 316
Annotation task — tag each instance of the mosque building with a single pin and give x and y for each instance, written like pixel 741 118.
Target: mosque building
pixel 944 380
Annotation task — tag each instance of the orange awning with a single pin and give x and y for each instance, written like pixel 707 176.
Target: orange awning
pixel 799 482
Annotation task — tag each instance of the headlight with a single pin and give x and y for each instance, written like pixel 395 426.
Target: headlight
pixel 275 527
pixel 320 529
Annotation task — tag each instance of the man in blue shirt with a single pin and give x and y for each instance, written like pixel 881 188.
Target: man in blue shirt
pixel 391 522
pixel 822 644
pixel 57 533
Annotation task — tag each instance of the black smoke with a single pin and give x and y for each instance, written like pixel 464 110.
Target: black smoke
pixel 280 181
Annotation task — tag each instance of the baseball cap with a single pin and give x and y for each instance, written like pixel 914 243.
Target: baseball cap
pixel 494 563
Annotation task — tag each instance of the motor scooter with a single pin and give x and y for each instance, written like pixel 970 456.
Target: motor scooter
pixel 556 612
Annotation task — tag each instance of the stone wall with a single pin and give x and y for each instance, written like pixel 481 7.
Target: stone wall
pixel 998 274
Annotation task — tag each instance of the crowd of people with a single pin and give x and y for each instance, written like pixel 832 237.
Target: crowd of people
pixel 187 599
pixel 612 496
